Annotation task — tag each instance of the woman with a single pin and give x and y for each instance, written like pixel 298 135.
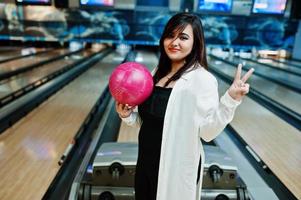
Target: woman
pixel 183 108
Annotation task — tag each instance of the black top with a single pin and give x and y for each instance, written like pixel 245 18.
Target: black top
pixel 152 112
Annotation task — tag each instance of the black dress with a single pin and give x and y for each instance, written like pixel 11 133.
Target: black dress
pixel 152 113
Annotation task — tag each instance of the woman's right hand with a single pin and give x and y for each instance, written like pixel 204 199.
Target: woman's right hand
pixel 124 110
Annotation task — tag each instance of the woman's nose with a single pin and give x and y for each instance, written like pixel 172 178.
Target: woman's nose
pixel 175 42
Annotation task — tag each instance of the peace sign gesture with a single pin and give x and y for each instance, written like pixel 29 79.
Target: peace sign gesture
pixel 239 87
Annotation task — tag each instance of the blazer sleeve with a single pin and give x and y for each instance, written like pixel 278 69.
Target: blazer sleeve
pixel 215 113
pixel 134 119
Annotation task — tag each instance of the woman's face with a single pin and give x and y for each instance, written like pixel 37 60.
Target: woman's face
pixel 178 45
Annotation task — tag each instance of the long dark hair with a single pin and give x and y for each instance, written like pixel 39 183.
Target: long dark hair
pixel 197 55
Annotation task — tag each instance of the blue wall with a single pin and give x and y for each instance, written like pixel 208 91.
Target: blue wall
pixel 134 27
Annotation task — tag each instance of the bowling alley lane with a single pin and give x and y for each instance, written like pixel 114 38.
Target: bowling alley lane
pixel 277 92
pixel 276 142
pixel 127 133
pixel 285 78
pixel 9 48
pixel 30 149
pixel 15 83
pixel 30 60
pixel 293 63
pixel 278 65
pixel 9 54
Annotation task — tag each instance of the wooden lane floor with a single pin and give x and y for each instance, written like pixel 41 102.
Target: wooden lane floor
pixel 30 60
pixel 4 55
pixel 276 142
pixel 17 82
pixel 127 133
pixel 31 149
pixel 278 93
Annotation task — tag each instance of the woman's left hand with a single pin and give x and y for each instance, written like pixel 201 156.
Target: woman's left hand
pixel 239 87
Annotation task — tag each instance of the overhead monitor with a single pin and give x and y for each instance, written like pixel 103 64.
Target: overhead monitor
pixel 97 3
pixel 269 7
pixel 33 2
pixel 215 6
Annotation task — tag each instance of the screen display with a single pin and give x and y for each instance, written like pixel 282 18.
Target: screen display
pixel 34 2
pixel 158 3
pixel 215 5
pixel 269 6
pixel 97 2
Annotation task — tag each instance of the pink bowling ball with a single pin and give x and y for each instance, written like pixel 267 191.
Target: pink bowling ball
pixel 131 83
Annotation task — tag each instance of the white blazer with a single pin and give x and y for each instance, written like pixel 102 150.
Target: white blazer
pixel 193 112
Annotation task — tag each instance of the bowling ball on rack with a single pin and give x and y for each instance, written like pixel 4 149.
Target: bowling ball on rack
pixel 131 83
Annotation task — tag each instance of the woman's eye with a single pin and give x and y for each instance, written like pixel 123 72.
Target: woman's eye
pixel 183 38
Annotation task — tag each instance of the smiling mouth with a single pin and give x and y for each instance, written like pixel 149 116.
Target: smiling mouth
pixel 173 50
